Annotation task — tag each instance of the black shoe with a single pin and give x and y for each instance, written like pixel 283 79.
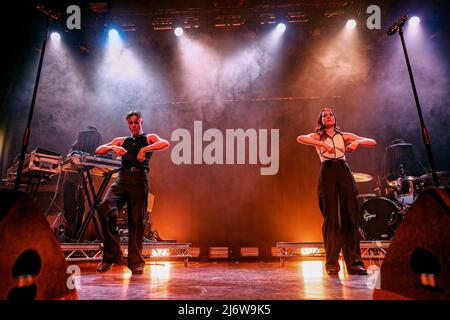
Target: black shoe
pixel 332 271
pixel 137 268
pixel 358 270
pixel 104 266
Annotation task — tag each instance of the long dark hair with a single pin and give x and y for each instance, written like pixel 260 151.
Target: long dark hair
pixel 320 128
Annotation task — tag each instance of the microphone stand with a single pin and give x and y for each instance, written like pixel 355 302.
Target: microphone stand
pixel 425 136
pixel 26 135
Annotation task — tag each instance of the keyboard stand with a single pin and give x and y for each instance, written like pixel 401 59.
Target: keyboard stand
pixel 94 199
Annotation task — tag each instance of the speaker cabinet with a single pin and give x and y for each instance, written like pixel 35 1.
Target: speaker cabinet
pixel 32 264
pixel 417 265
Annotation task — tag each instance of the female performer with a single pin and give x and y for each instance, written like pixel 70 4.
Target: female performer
pixel 337 192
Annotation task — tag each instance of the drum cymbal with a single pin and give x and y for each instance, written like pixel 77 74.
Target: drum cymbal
pixel 362 177
pixel 439 174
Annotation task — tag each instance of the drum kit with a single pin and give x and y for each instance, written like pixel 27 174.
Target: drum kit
pixel 380 216
pixel 398 186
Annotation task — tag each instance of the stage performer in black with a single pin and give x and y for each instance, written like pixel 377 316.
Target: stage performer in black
pixel 131 187
pixel 337 192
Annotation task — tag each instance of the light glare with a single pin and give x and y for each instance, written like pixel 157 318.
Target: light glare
pixel 113 34
pixel 351 24
pixel 281 27
pixel 114 40
pixel 55 36
pixel 179 31
pixel 414 21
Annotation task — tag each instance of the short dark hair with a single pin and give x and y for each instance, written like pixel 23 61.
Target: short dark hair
pixel 134 113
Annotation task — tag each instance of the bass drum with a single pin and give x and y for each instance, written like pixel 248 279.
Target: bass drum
pixel 379 219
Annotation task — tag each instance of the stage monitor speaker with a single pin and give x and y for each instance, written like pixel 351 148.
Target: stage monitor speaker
pixel 32 264
pixel 417 265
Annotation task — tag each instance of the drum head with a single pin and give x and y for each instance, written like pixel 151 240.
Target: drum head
pixel 378 219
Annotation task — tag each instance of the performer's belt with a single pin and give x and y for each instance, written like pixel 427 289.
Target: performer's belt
pixel 335 160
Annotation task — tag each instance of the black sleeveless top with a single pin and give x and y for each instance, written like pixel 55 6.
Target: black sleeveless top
pixel 133 145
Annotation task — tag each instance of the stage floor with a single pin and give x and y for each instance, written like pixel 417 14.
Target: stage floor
pixel 298 279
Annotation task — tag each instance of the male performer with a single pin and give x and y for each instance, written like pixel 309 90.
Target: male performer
pixel 337 192
pixel 130 187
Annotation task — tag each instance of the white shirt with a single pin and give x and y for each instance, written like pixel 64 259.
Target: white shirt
pixel 337 143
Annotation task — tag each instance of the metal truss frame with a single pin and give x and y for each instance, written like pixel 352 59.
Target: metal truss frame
pixel 76 252
pixel 369 250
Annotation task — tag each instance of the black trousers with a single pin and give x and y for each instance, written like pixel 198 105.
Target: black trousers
pixel 130 188
pixel 339 206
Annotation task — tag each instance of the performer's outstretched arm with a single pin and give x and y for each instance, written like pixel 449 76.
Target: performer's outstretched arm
pixel 313 139
pixel 114 146
pixel 156 143
pixel 353 141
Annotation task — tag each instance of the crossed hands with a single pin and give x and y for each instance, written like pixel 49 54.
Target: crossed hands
pixel 350 148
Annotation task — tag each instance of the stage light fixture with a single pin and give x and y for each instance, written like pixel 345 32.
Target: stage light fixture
pixel 55 36
pixel 179 31
pixel 113 34
pixel 281 27
pixel 114 39
pixel 351 24
pixel 414 21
